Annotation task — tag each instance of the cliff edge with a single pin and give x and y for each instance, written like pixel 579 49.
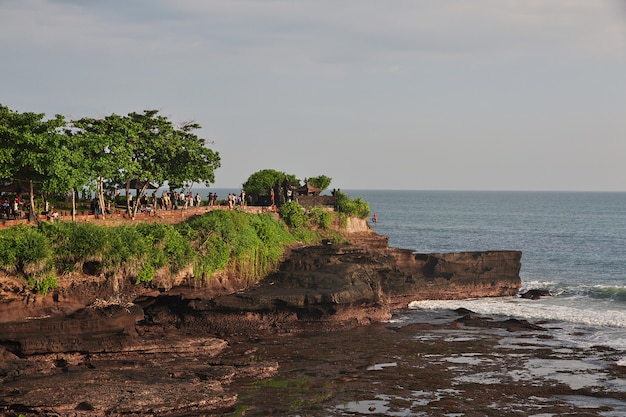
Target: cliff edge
pixel 120 348
pixel 326 286
pixel 362 282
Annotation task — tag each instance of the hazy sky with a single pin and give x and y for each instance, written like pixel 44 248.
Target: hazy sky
pixel 403 94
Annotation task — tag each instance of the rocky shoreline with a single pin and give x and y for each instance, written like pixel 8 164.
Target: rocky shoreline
pixel 175 348
pixel 462 364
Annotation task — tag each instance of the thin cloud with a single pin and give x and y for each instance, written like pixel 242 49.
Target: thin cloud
pixel 303 34
pixel 409 84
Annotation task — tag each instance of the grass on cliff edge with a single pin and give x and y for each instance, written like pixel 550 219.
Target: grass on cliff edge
pixel 250 245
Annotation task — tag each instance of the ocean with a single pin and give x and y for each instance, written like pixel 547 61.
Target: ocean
pixel 573 244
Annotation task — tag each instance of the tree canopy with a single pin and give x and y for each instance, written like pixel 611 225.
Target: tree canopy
pixel 261 182
pixel 62 156
pixel 321 181
pixel 32 149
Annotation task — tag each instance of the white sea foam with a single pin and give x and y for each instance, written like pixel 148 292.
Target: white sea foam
pixel 532 310
pixel 572 245
pixel 527 285
pixel 577 320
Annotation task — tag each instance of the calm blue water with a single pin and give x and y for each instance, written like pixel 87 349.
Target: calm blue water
pixel 573 243
pixel 566 238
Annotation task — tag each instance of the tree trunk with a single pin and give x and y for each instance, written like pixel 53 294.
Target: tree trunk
pixel 101 196
pixel 154 200
pixel 128 203
pixel 32 213
pixel 73 205
pixel 140 194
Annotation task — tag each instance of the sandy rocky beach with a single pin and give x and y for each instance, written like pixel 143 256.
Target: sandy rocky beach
pixel 456 364
pixel 181 354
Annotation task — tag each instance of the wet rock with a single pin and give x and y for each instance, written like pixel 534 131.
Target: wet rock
pixel 88 330
pixel 511 325
pixel 84 406
pixel 536 294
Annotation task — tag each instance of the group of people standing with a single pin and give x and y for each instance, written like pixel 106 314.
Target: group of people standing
pixel 173 200
pixel 212 199
pixel 236 200
pixel 10 207
pixel 169 200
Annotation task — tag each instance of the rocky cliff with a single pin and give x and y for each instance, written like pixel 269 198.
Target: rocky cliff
pixel 350 284
pixel 119 348
pixel 342 284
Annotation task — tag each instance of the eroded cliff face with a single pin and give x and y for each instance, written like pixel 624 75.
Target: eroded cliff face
pixel 365 282
pixel 453 275
pixel 344 284
pixel 106 340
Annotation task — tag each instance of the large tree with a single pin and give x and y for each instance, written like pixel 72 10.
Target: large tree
pixel 321 181
pixel 190 160
pixel 163 152
pixel 68 168
pixel 31 150
pixel 106 150
pixel 262 182
pixel 144 149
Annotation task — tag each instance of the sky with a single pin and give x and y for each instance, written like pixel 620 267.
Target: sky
pixel 402 94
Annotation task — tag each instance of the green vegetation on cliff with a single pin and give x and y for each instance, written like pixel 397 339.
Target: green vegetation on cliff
pixel 249 245
pixel 352 207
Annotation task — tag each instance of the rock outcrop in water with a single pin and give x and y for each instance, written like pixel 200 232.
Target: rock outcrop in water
pixel 110 355
pixel 363 282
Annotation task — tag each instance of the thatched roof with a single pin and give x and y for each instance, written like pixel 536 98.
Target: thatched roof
pixel 308 189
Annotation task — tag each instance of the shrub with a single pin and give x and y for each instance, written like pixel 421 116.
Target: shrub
pixel 293 214
pixel 8 250
pixel 214 256
pixel 177 250
pixel 127 247
pixel 320 217
pixel 249 244
pixel 273 237
pixel 43 284
pixel 75 243
pixel 24 249
pixel 271 233
pixel 145 274
pixel 166 246
pixel 355 208
pixel 216 221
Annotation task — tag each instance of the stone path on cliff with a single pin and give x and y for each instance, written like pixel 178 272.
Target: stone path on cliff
pixel 118 217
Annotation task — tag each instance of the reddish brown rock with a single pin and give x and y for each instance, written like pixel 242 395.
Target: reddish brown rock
pixel 159 349
pixel 355 284
pixel 343 284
